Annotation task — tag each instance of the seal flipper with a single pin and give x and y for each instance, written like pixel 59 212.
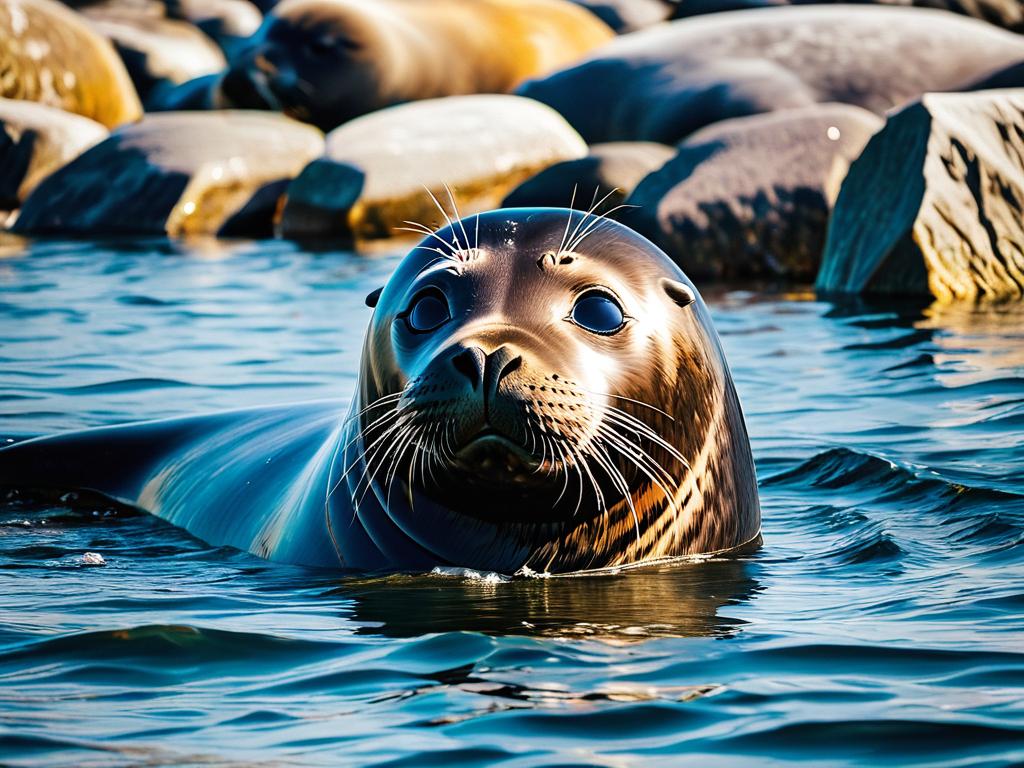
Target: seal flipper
pixel 253 479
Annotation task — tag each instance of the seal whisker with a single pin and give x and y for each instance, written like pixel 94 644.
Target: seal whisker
pixel 628 399
pixel 371 476
pixel 595 220
pixel 416 227
pixel 625 448
pixel 568 220
pixel 604 460
pixel 447 218
pixel 640 428
pixel 458 216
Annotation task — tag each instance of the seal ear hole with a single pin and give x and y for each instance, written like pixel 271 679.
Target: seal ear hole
pixel 682 295
pixel 373 297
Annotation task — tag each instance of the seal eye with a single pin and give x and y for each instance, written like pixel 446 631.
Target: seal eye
pixel 598 312
pixel 429 310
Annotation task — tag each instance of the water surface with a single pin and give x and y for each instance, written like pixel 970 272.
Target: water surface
pixel 882 621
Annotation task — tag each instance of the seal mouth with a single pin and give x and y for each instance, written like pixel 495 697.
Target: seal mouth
pixel 492 456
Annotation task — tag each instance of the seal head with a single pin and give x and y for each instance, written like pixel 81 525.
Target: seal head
pixel 544 388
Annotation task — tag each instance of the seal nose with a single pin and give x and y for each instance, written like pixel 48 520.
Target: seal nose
pixel 470 363
pixel 486 369
pixel 499 364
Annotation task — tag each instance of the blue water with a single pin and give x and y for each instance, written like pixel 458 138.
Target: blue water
pixel 881 623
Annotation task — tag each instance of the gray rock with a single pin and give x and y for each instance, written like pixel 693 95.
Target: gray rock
pixel 935 203
pixel 663 83
pixel 751 197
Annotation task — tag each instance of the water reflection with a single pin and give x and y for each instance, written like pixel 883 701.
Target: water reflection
pixel 681 600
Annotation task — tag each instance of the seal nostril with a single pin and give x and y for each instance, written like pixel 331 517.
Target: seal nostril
pixel 511 366
pixel 470 363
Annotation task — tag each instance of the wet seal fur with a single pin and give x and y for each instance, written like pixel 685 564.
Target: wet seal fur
pixel 328 61
pixel 539 389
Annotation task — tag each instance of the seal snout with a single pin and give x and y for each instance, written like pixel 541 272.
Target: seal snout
pixel 486 370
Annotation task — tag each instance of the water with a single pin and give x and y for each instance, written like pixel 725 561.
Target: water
pixel 882 621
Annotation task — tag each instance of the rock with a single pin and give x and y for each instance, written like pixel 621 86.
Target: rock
pixel 50 54
pixel 935 203
pixel 228 22
pixel 609 172
pixel 750 197
pixel 663 83
pixel 36 140
pixel 201 93
pixel 179 173
pixel 628 15
pixel 481 146
pixel 319 200
pixel 156 50
pixel 1008 14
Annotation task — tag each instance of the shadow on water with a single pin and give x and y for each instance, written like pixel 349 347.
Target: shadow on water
pixel 679 600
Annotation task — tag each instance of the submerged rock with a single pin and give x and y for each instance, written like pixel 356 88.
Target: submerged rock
pixel 50 54
pixel 481 146
pixel 751 197
pixel 935 203
pixel 178 173
pixel 663 83
pixel 36 140
pixel 609 172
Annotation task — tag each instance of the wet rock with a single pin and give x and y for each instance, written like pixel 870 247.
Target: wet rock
pixel 935 203
pixel 609 172
pixel 751 197
pixel 481 146
pixel 35 140
pixel 663 83
pixel 178 173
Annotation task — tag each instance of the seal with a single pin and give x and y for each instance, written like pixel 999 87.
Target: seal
pixel 539 388
pixel 328 61
pixel 49 54
pixel 663 83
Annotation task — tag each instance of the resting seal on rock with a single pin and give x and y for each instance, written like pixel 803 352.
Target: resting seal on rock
pixel 664 83
pixel 327 61
pixel 539 389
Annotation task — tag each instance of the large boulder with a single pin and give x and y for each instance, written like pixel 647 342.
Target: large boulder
pixel 36 140
pixel 178 174
pixel 664 83
pixel 935 203
pixel 751 197
pixel 480 146
pixel 50 54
